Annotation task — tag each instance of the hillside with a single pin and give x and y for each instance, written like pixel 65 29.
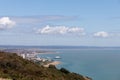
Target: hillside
pixel 16 68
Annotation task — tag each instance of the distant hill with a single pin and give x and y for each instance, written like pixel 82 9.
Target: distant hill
pixel 56 47
pixel 14 67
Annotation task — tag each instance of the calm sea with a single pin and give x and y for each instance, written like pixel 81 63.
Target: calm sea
pixel 99 64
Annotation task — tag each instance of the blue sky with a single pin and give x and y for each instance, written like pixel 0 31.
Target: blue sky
pixel 60 22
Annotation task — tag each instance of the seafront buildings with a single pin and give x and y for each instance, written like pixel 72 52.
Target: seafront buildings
pixel 30 54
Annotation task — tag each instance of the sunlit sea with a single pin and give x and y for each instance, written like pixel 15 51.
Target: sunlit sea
pixel 99 64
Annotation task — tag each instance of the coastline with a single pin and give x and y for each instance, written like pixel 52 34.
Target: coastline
pixel 53 63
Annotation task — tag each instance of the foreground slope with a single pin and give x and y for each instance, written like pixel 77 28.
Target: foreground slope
pixel 16 68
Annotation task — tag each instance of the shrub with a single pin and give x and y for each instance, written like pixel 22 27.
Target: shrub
pixel 64 70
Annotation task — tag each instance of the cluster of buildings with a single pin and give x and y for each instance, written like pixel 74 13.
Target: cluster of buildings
pixel 30 54
pixel 34 57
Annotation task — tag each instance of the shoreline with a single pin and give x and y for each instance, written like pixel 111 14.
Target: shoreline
pixel 52 63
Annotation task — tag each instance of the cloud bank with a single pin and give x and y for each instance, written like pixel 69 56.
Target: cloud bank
pixel 60 30
pixel 102 34
pixel 6 23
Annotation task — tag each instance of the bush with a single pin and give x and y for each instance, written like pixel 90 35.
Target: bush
pixel 52 66
pixel 64 70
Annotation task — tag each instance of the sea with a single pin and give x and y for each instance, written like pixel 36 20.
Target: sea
pixel 98 64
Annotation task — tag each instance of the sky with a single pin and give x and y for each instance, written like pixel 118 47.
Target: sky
pixel 60 22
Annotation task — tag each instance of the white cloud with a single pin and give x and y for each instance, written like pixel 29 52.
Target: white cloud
pixel 6 23
pixel 101 34
pixel 60 30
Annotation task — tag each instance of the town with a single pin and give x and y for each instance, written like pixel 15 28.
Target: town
pixel 32 55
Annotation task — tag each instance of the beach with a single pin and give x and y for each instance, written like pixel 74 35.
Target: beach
pixel 52 63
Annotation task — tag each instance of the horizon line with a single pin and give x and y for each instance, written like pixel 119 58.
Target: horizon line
pixel 63 46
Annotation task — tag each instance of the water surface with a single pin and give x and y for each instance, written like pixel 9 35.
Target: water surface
pixel 99 64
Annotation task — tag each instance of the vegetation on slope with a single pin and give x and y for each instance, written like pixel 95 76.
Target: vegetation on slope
pixel 16 68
